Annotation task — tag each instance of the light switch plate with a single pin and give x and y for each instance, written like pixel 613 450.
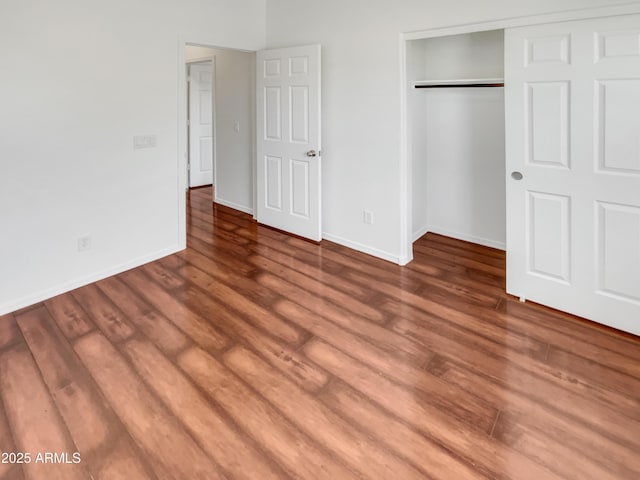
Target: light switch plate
pixel 145 141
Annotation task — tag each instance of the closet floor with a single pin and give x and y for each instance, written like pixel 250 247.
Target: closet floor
pixel 255 355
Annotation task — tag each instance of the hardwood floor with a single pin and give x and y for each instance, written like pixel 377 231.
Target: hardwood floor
pixel 254 355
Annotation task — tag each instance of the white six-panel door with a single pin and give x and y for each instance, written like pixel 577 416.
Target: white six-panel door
pixel 573 167
pixel 288 140
pixel 200 124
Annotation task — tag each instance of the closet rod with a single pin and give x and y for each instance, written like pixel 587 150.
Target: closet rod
pixel 461 85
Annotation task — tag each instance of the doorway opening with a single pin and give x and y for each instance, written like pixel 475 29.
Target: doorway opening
pixel 285 116
pixel 456 123
pixel 220 123
pixel 407 76
pixel 200 120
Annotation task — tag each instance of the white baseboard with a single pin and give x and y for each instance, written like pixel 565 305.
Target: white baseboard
pixel 42 295
pixel 235 206
pixel 420 233
pixel 405 259
pixel 487 242
pixel 364 249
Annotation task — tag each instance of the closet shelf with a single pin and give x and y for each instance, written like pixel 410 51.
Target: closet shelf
pixel 460 83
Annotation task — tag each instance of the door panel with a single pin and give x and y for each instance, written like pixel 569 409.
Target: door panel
pixel 618 251
pixel 200 124
pixel 299 116
pixel 573 132
pixel 546 50
pixel 615 45
pixel 618 117
pixel 300 188
pixel 273 114
pixel 548 123
pixel 288 140
pixel 273 183
pixel 548 236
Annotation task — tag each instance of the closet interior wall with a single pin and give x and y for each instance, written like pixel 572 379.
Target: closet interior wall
pixel 457 138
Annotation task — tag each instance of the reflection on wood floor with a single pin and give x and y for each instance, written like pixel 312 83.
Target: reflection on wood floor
pixel 254 355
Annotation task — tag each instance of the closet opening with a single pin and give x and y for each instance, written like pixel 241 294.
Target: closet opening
pixel 456 137
pixel 558 128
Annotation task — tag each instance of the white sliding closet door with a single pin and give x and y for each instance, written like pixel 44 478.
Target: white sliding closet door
pixel 573 144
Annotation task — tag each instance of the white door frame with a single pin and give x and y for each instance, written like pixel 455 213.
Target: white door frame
pixel 406 194
pixel 197 61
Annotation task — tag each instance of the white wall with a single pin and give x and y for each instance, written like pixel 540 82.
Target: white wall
pixel 458 148
pixel 79 80
pixel 362 101
pixel 234 100
pixel 418 136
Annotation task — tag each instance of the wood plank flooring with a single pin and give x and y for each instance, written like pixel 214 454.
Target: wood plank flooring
pixel 254 355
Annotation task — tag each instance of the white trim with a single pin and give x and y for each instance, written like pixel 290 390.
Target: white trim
pixel 420 232
pixel 214 123
pixel 405 259
pixel 254 143
pixel 235 206
pixel 82 281
pixel 406 189
pixel 364 248
pixel 182 154
pixel 406 220
pixel 625 8
pixel 461 236
pixel 209 58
